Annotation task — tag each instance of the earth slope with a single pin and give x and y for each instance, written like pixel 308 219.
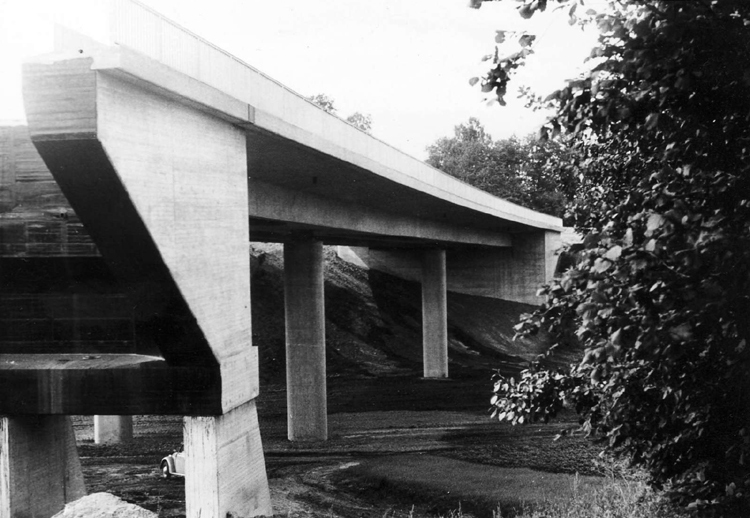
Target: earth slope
pixel 373 323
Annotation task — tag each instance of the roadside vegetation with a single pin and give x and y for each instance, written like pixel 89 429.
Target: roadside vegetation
pixel 618 497
pixel 657 133
pixel 515 169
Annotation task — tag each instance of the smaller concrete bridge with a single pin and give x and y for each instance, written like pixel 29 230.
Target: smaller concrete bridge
pixel 175 155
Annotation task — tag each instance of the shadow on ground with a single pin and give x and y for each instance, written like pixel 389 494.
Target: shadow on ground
pixel 396 440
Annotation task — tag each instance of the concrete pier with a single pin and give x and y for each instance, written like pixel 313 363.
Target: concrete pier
pixel 307 418
pixel 225 474
pixel 113 429
pixel 434 314
pixel 39 467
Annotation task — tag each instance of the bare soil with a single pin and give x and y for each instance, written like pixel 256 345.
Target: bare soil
pixel 398 444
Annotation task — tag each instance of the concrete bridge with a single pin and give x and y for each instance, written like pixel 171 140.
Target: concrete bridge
pixel 175 155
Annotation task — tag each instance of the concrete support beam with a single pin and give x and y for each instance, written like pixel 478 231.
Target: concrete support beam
pixel 434 314
pixel 510 273
pixel 307 418
pixel 225 472
pixel 113 429
pixel 39 467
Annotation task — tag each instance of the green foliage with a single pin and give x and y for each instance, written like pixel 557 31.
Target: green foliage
pixel 514 169
pixel 659 136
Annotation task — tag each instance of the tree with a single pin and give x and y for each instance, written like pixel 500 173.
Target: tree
pixel 356 119
pixel 323 101
pixel 513 169
pixel 361 121
pixel 660 137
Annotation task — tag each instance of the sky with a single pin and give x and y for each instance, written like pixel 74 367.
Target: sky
pixel 405 63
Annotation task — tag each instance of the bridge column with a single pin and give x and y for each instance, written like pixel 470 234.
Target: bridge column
pixel 113 429
pixel 434 315
pixel 225 472
pixel 39 467
pixel 307 418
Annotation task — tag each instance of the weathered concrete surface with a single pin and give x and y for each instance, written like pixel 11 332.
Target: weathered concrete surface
pixel 307 416
pixel 113 429
pixel 434 315
pixel 513 274
pixel 39 467
pixel 225 471
pixel 142 194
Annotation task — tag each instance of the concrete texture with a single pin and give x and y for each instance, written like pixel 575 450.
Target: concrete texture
pixel 278 111
pixel 39 467
pixel 156 155
pixel 191 195
pixel 225 471
pixel 514 273
pixel 304 306
pixel 113 429
pixel 434 314
pixel 293 146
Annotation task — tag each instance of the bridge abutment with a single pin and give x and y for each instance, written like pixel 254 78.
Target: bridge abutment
pixel 307 408
pixel 434 314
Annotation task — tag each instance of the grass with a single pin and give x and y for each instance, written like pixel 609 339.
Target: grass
pixel 438 486
pixel 617 498
pixel 623 493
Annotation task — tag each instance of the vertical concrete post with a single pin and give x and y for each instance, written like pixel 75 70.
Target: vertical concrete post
pixel 113 429
pixel 307 408
pixel 39 467
pixel 225 472
pixel 434 314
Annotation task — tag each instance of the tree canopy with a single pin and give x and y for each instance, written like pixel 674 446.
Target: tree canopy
pixel 513 169
pixel 356 119
pixel 659 133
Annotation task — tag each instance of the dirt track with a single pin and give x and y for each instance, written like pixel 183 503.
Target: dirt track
pixel 314 479
pixel 379 406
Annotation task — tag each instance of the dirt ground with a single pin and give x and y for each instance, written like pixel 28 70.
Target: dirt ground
pixel 383 417
pixel 354 472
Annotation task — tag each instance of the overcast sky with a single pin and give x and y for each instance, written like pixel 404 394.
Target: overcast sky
pixel 406 63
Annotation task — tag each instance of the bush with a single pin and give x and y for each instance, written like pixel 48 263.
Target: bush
pixel 659 136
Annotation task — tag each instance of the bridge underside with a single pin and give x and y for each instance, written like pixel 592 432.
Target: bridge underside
pixel 172 179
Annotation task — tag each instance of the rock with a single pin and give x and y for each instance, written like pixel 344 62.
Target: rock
pixel 103 505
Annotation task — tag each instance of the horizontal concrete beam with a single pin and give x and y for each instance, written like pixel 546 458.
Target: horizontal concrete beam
pixel 332 220
pixel 121 384
pixel 292 143
pixel 514 273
